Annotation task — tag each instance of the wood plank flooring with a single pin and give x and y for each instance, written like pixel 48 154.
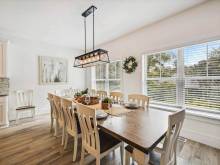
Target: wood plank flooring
pixel 32 143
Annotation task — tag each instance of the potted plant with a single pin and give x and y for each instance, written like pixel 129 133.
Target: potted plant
pixel 106 103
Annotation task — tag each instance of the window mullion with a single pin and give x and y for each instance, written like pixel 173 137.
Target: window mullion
pixel 180 99
pixel 107 78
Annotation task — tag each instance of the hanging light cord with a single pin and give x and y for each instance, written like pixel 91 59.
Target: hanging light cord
pixel 93 15
pixel 85 32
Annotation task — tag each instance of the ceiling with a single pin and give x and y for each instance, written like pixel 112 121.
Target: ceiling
pixel 59 22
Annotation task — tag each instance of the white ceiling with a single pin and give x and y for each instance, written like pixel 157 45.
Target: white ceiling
pixel 60 22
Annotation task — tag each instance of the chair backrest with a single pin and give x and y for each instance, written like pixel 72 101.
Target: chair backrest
pixel 175 123
pixel 92 92
pixel 116 96
pixel 58 109
pixel 141 100
pixel 102 94
pixel 69 115
pixel 24 98
pixel 88 125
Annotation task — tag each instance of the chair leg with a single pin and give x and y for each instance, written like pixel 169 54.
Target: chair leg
pixel 66 140
pixel 56 128
pixel 63 136
pixel 51 125
pixel 75 148
pixel 98 160
pixel 127 158
pixel 82 156
pixel 122 153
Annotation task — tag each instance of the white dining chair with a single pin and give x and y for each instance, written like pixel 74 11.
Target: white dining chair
pixel 116 96
pixel 102 94
pixel 24 102
pixel 92 92
pixel 160 156
pixel 141 100
pixel 95 141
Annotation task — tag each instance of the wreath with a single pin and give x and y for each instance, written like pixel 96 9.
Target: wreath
pixel 130 64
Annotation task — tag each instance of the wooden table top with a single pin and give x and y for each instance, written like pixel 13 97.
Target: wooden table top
pixel 141 129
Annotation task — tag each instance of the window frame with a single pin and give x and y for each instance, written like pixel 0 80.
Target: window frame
pixel 180 78
pixel 107 79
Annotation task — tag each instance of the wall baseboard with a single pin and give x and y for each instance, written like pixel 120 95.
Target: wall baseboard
pixel 201 138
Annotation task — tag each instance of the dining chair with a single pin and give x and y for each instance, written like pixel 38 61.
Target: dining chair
pixel 53 115
pixel 92 92
pixel 60 122
pixel 95 141
pixel 160 156
pixel 24 102
pixel 102 94
pixel 141 100
pixel 72 127
pixel 116 96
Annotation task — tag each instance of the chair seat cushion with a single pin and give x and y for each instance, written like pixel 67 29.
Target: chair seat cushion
pixel 154 156
pixel 25 107
pixel 107 141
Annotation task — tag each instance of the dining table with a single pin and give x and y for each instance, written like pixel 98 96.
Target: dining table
pixel 142 129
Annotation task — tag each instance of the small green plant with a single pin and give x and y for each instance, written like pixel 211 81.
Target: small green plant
pixel 77 94
pixel 83 92
pixel 107 100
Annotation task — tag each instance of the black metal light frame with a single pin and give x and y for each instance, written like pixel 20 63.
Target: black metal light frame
pixel 93 57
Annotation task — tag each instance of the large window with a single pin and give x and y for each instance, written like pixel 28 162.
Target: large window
pixel 108 76
pixel 188 76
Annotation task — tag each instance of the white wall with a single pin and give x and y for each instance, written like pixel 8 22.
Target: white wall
pixel 22 61
pixel 198 24
pixel 195 25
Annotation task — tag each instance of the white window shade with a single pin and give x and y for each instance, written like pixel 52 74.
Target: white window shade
pixel 188 76
pixel 202 93
pixel 161 76
pixel 202 79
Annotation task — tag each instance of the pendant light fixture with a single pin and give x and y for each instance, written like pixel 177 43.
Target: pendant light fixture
pixel 96 56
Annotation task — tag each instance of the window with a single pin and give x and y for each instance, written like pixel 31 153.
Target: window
pixel 188 76
pixel 161 76
pixel 202 75
pixel 108 76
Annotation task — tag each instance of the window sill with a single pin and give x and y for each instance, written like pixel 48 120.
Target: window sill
pixel 214 117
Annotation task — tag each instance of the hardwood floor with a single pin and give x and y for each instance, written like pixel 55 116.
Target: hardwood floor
pixel 32 143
